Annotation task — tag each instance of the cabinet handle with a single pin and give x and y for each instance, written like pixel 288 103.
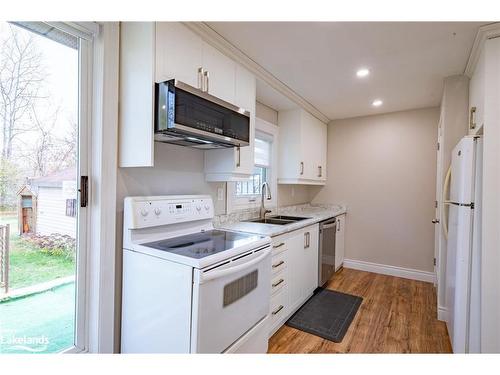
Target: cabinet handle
pixel 206 79
pixel 238 158
pixel 200 78
pixel 320 171
pixel 278 310
pixel 301 168
pixel 281 244
pixel 307 240
pixel 472 120
pixel 278 283
pixel 278 264
pixel 338 225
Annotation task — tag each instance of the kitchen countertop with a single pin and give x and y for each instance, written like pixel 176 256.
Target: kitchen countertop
pixel 315 214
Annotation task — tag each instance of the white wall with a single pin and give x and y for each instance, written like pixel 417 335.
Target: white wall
pixel 383 167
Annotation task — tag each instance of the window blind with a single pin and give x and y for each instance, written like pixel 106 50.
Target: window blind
pixel 262 153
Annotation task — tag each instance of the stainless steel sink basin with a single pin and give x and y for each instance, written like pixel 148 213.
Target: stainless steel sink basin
pixel 278 220
pixel 271 221
pixel 291 218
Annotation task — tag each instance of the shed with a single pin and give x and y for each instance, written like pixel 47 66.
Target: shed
pixel 56 200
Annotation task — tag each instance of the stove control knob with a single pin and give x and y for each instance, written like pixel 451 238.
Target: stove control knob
pixel 207 207
pixel 198 208
pixel 157 211
pixel 144 212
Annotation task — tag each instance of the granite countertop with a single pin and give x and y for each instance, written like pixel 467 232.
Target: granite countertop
pixel 315 214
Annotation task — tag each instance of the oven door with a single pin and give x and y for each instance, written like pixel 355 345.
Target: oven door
pixel 229 299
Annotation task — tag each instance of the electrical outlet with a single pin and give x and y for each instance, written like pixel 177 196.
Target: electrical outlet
pixel 220 194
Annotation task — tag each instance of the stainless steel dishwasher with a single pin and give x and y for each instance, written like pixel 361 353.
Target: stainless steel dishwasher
pixel 327 231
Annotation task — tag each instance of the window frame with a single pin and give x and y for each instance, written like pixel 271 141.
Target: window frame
pixel 235 203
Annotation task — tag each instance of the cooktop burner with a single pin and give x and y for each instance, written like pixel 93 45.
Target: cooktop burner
pixel 203 244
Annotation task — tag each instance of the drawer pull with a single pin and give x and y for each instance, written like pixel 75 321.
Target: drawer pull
pixel 281 244
pixel 278 264
pixel 278 283
pixel 278 310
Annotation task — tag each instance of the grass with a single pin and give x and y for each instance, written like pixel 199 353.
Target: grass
pixel 28 265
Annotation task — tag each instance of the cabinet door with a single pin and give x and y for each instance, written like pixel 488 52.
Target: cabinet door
pixel 136 94
pixel 310 261
pixel 178 53
pixel 245 97
pixel 233 164
pixel 221 73
pixel 340 242
pixel 295 259
pixel 476 96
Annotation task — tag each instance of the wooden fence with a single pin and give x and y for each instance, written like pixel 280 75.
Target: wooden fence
pixel 4 257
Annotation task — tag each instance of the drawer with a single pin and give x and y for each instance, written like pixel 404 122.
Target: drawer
pixel 278 307
pixel 278 281
pixel 278 263
pixel 279 246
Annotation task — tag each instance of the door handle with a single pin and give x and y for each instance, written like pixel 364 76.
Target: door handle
pixel 238 159
pixel 278 310
pixel 472 120
pixel 84 191
pixel 278 264
pixel 206 79
pixel 278 283
pixel 200 78
pixel 435 221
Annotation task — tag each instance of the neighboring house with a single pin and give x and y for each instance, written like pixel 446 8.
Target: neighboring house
pixel 47 204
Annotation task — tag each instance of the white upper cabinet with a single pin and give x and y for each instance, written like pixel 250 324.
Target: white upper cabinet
pixel 179 54
pixel 476 96
pixel 220 73
pixel 302 149
pixel 156 52
pixel 233 164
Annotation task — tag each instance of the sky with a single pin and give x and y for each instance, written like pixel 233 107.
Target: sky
pixel 61 83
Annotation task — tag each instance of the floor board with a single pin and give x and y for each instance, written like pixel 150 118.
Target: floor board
pixel 397 316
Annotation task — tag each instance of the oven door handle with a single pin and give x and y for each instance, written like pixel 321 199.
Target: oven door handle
pixel 214 274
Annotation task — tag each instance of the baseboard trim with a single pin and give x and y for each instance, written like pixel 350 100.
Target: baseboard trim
pixel 406 273
pixel 442 314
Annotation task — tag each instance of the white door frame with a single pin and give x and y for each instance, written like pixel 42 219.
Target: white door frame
pixel 98 119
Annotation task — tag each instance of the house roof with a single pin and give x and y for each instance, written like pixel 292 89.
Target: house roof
pixel 55 179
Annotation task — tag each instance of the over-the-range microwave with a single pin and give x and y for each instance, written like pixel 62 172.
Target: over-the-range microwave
pixel 187 116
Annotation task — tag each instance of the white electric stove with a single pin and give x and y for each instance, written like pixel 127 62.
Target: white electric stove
pixel 187 287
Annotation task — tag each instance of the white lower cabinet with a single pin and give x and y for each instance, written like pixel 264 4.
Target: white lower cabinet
pixel 340 242
pixel 294 273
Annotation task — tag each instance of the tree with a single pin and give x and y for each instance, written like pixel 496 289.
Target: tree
pixel 21 76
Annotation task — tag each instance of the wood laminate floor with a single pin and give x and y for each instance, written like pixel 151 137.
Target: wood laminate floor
pixel 397 316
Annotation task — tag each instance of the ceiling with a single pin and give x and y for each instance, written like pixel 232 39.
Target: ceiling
pixel 319 60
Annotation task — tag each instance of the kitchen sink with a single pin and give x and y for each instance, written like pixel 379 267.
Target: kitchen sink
pixel 278 220
pixel 291 218
pixel 271 221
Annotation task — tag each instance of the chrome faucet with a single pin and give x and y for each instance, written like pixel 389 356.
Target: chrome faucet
pixel 264 189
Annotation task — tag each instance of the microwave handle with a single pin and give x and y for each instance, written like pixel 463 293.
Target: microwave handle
pixel 215 274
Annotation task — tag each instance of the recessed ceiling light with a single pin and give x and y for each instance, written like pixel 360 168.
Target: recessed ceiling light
pixel 377 103
pixel 362 73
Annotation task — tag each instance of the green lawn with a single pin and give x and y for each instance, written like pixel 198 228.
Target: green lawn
pixel 29 266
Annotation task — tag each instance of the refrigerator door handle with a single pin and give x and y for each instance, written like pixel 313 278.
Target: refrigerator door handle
pixel 443 210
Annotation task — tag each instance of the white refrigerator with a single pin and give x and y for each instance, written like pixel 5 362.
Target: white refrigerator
pixel 463 263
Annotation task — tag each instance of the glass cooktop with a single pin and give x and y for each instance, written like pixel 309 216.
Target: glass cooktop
pixel 203 244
